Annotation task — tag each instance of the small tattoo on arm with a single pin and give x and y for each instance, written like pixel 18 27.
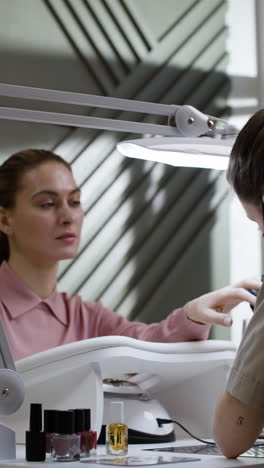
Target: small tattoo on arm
pixel 240 420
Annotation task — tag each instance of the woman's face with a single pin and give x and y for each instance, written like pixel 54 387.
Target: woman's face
pixel 45 224
pixel 254 213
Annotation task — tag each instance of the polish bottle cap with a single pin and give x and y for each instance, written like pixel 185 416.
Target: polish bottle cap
pixel 65 424
pixel 78 420
pixel 117 412
pixel 51 421
pixel 87 419
pixel 35 422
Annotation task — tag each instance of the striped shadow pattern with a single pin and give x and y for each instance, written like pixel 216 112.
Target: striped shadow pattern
pixel 147 235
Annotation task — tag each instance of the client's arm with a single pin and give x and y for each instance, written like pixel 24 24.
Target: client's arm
pixel 236 425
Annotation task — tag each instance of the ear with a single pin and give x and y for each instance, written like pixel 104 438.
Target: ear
pixel 5 224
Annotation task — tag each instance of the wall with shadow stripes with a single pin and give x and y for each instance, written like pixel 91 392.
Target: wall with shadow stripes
pixel 152 233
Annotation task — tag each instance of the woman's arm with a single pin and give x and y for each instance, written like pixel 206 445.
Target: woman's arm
pixel 185 324
pixel 236 425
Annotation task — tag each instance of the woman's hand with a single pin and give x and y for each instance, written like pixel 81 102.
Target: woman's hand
pixel 212 308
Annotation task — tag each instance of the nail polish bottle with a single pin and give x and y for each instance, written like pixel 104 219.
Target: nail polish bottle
pixel 66 444
pixel 116 432
pixel 50 427
pixel 89 436
pixel 79 429
pixel 35 438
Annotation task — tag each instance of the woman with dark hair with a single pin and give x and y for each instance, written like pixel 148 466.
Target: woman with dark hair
pixel 239 417
pixel 40 223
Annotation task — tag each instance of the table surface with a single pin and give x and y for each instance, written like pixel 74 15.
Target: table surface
pixel 205 461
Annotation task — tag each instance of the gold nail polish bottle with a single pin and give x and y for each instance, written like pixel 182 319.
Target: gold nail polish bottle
pixel 116 432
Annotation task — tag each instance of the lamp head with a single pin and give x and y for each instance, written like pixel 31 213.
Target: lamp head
pixel 200 141
pixel 202 152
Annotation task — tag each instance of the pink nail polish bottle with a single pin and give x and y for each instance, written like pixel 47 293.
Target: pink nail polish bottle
pixel 66 444
pixel 50 427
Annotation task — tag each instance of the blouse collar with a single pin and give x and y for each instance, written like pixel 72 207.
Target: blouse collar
pixel 19 298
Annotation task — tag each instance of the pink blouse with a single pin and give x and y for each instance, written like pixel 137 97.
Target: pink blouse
pixel 33 324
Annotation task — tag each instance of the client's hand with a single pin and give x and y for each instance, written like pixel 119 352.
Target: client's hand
pixel 212 308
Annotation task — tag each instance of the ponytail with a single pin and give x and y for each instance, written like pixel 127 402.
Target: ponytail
pixel 4 247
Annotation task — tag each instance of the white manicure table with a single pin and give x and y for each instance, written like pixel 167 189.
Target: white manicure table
pixel 186 378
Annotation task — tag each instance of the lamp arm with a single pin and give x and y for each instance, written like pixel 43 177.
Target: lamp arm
pixel 81 99
pixel 73 120
pixel 185 121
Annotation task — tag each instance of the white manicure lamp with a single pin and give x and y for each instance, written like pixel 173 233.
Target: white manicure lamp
pixel 190 138
pixel 12 394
